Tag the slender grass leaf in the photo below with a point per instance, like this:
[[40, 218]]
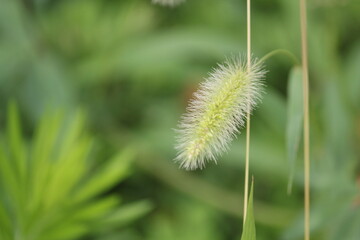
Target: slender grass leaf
[[127, 213], [8, 182], [66, 230], [42, 151], [115, 170], [71, 134], [249, 230], [96, 209], [15, 141], [294, 120], [67, 172]]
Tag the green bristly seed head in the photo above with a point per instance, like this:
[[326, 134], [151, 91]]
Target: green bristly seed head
[[217, 111]]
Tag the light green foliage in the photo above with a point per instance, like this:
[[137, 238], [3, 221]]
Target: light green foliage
[[48, 187], [249, 230]]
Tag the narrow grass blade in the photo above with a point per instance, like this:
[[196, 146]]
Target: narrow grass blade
[[295, 116], [249, 230], [15, 141], [41, 151], [96, 209], [116, 169], [127, 213]]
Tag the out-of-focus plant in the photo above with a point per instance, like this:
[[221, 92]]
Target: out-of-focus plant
[[170, 3], [50, 187]]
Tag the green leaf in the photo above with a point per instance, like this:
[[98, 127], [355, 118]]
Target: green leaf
[[71, 231], [294, 120], [42, 149], [249, 231], [96, 209], [128, 213], [60, 197], [15, 141], [67, 172], [8, 181], [116, 170]]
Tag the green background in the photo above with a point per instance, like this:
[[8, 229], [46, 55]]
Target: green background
[[128, 69]]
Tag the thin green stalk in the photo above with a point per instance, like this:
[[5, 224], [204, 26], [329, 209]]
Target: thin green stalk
[[280, 51], [247, 154]]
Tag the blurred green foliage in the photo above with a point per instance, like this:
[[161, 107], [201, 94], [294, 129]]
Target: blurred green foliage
[[132, 66], [51, 190]]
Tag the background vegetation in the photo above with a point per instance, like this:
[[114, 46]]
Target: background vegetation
[[131, 67]]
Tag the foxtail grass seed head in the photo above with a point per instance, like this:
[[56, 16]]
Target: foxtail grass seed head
[[217, 111], [170, 3]]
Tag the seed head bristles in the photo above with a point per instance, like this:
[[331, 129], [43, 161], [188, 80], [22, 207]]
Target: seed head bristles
[[170, 3], [217, 111]]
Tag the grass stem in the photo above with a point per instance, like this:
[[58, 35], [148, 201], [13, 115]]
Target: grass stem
[[280, 51], [247, 154]]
